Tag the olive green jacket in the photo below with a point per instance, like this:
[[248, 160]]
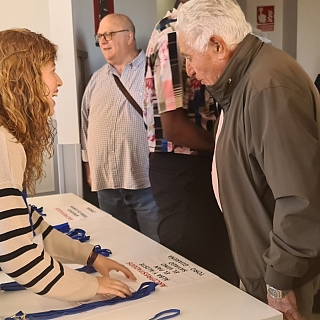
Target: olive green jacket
[[268, 166]]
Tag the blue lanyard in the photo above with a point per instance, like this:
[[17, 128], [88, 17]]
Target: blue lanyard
[[76, 234], [144, 290], [63, 227], [14, 286], [166, 314], [24, 196]]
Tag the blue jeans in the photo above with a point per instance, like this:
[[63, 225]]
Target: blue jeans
[[136, 208]]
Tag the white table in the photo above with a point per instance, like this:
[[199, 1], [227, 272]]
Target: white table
[[209, 299]]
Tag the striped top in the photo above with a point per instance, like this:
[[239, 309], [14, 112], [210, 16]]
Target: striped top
[[169, 88], [113, 137], [36, 268]]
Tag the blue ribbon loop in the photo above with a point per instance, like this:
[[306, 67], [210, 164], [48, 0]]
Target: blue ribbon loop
[[166, 314]]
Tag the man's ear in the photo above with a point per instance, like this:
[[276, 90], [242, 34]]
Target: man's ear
[[218, 46], [130, 37]]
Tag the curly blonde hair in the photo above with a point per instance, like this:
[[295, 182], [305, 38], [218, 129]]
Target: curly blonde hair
[[24, 108]]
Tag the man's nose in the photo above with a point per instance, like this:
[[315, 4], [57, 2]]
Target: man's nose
[[189, 69]]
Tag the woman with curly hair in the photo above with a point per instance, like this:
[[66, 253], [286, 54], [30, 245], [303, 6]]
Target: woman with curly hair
[[28, 83]]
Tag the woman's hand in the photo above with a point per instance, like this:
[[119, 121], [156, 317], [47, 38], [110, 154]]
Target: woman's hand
[[104, 265], [113, 286]]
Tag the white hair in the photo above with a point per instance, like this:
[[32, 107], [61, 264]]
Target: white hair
[[200, 19]]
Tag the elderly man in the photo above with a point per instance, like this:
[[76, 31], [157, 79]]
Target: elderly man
[[266, 171], [113, 140]]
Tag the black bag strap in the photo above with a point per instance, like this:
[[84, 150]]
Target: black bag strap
[[127, 95]]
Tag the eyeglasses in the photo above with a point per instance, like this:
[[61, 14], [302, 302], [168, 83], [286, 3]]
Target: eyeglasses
[[107, 35]]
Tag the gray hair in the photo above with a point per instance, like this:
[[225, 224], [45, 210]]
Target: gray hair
[[200, 19]]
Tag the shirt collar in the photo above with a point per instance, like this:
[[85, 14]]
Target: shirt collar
[[134, 64]]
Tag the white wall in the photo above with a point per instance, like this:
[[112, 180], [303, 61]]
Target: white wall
[[17, 14], [284, 35], [243, 5], [66, 111], [163, 6], [13, 15], [251, 15], [45, 16], [143, 14], [300, 31], [308, 43], [83, 21], [290, 25]]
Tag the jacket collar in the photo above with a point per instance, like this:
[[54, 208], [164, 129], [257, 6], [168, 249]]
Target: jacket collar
[[223, 89]]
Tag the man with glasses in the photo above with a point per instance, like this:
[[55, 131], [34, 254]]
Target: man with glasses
[[113, 139]]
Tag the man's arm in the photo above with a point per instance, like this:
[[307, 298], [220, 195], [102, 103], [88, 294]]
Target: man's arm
[[88, 175], [178, 129], [84, 132], [168, 88], [288, 135]]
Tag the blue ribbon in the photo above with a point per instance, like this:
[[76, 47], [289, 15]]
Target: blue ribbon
[[144, 290], [168, 314], [11, 286], [39, 210], [76, 234], [63, 227]]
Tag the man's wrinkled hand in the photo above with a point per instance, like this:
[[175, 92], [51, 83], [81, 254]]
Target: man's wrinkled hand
[[287, 305]]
